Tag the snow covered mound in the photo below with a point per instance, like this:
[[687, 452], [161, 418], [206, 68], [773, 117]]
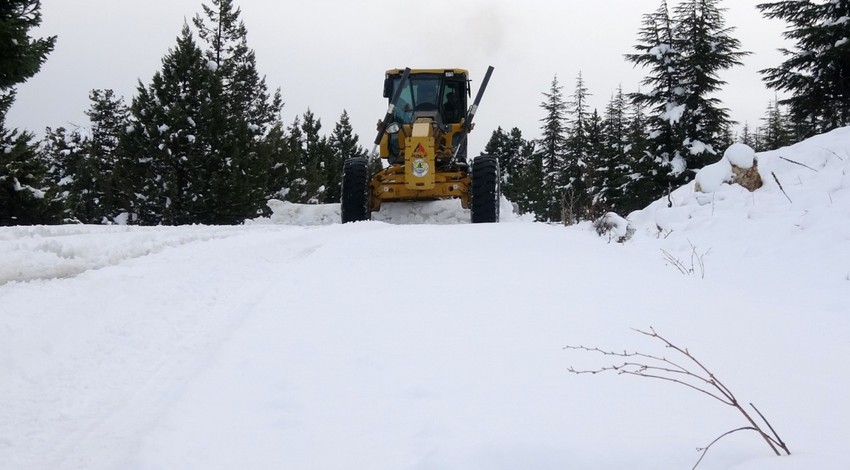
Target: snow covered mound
[[805, 200], [738, 165], [288, 213], [400, 213]]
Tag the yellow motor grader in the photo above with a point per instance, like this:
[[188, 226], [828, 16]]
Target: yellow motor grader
[[422, 139]]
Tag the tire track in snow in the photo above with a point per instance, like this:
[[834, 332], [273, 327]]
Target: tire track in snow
[[139, 335], [62, 252]]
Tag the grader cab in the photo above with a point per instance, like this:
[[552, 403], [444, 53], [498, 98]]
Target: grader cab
[[422, 139]]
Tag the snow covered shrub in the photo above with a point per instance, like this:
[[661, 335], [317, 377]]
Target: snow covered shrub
[[614, 227], [738, 165], [744, 166]]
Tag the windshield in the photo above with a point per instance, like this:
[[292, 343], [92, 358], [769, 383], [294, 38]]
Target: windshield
[[431, 92]]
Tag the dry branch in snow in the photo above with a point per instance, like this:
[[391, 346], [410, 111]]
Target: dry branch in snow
[[686, 371]]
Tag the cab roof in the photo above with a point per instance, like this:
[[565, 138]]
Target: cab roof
[[463, 72]]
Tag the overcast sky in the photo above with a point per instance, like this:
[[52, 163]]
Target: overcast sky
[[331, 55]]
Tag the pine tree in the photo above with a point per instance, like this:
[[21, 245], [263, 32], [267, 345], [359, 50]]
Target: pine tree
[[816, 70], [643, 170], [776, 131], [293, 185], [245, 93], [98, 193], [747, 138], [65, 150], [344, 144], [596, 170], [317, 157], [726, 138], [510, 149], [528, 191], [552, 151], [706, 47], [282, 162], [21, 56], [306, 180], [180, 177], [246, 112], [575, 181], [664, 100], [25, 194], [612, 159], [687, 126]]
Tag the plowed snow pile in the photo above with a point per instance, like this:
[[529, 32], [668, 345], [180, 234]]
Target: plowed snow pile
[[420, 341], [436, 212]]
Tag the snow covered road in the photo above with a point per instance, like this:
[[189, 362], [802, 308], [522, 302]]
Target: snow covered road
[[357, 346], [433, 346]]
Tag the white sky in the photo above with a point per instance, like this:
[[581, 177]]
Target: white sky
[[331, 55]]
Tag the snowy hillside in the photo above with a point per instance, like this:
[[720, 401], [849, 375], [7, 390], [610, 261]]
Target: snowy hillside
[[419, 341]]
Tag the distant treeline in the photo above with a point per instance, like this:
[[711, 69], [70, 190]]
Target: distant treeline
[[203, 141]]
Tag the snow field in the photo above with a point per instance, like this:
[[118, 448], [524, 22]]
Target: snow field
[[419, 341]]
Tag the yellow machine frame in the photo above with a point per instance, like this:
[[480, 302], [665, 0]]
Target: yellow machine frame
[[423, 145]]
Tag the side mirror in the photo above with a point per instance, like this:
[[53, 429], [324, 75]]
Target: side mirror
[[388, 87]]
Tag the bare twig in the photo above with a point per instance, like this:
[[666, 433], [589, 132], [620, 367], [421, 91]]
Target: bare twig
[[830, 151], [699, 259], [775, 178], [677, 263], [696, 261], [704, 450], [798, 163], [716, 383], [640, 369], [693, 374], [778, 439]]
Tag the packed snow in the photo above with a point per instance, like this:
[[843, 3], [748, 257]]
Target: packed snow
[[420, 341]]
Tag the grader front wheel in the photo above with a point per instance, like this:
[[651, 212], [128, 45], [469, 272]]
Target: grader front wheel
[[486, 189], [355, 190]]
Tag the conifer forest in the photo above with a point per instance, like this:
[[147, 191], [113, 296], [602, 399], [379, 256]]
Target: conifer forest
[[203, 141]]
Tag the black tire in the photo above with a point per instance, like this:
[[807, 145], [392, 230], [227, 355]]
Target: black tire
[[486, 190], [355, 190]]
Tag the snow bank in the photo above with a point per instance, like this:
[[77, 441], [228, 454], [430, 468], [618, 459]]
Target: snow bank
[[47, 252], [288, 213], [401, 213], [802, 208], [51, 252]]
